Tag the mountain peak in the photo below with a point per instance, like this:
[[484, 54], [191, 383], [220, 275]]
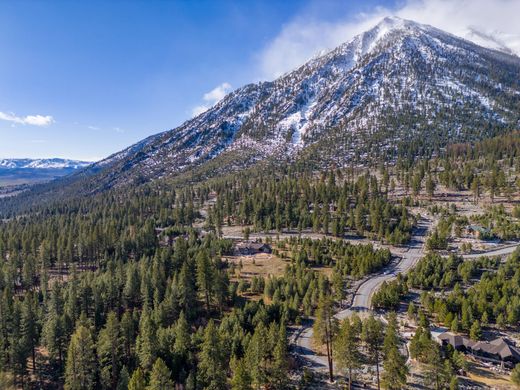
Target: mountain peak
[[367, 41], [399, 89], [393, 22]]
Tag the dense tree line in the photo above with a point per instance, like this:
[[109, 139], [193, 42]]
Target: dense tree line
[[494, 299], [490, 167], [146, 322], [331, 204], [348, 259]]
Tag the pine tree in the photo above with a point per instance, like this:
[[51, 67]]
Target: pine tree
[[146, 343], [279, 369], [475, 189], [132, 286], [186, 290], [395, 369], [430, 186], [373, 338], [80, 370], [18, 351], [241, 378], [138, 381], [346, 349], [324, 330], [257, 354], [29, 324], [182, 336], [221, 288], [475, 332], [212, 364], [109, 351], [454, 383], [205, 276], [338, 287], [124, 379], [54, 329], [160, 378], [434, 367], [412, 311], [127, 332]]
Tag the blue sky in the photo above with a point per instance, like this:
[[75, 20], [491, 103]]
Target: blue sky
[[86, 79]]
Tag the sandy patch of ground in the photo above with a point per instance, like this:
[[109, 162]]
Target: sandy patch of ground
[[481, 374], [261, 264], [265, 265]]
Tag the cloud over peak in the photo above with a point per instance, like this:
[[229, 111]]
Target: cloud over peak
[[212, 97], [306, 36]]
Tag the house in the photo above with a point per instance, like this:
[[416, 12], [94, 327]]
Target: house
[[478, 232], [167, 236], [460, 343], [500, 350], [251, 248]]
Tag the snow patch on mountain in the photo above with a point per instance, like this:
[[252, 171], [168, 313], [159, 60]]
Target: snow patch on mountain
[[398, 80]]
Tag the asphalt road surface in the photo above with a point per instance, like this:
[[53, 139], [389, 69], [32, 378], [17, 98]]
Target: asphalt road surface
[[504, 251], [361, 301]]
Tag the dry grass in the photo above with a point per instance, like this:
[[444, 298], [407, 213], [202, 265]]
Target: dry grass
[[327, 271], [6, 381], [265, 265], [483, 375], [261, 264]]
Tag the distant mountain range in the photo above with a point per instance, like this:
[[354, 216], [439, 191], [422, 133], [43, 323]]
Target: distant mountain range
[[28, 171], [42, 163], [399, 90]]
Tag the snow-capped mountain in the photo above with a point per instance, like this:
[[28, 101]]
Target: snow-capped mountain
[[398, 89], [25, 171], [45, 163]]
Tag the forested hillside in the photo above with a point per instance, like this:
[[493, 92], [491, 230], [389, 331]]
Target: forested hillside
[[236, 251]]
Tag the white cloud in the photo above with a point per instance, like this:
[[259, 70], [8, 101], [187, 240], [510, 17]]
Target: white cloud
[[34, 120], [217, 93], [92, 127], [306, 36], [197, 110], [212, 97]]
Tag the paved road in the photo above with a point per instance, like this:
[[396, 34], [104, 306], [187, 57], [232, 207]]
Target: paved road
[[361, 301], [504, 251], [409, 259]]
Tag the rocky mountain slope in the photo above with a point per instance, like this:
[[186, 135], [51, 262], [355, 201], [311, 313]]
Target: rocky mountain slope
[[399, 89]]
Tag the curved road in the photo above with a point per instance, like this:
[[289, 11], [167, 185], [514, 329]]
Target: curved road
[[503, 251], [415, 249], [361, 300], [363, 295]]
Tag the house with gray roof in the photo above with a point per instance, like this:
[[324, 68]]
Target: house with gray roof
[[248, 248], [499, 350]]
